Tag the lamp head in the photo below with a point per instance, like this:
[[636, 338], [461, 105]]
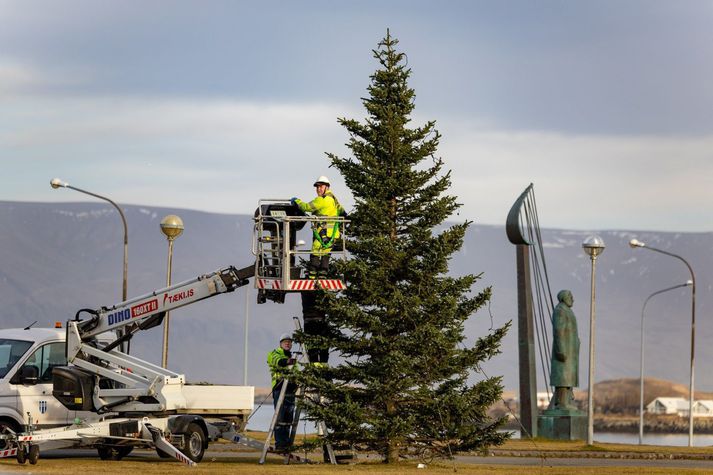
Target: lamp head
[[57, 183], [172, 226], [634, 243], [593, 245], [689, 282]]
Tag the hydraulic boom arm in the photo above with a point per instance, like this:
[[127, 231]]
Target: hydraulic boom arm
[[139, 310], [104, 379]]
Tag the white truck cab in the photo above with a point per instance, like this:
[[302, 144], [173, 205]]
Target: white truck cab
[[27, 357]]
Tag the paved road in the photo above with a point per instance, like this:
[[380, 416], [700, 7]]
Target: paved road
[[490, 460], [586, 462]]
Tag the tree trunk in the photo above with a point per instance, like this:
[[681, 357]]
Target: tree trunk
[[392, 452], [392, 445], [392, 217]]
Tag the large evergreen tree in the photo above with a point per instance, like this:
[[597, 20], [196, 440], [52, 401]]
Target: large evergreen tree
[[399, 327]]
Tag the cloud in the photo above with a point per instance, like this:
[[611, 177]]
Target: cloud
[[24, 79], [583, 181], [217, 155], [607, 67], [14, 77], [222, 156]]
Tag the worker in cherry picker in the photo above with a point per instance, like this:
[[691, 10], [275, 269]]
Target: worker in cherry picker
[[326, 232], [281, 361]]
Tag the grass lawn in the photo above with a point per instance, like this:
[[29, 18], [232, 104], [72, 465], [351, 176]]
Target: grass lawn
[[236, 459], [243, 465]]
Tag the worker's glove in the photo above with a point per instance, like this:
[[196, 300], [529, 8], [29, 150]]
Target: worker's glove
[[293, 200], [291, 361]]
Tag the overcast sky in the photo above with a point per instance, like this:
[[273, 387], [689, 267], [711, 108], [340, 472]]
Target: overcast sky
[[606, 106]]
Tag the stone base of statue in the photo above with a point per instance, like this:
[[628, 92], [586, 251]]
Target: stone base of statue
[[563, 424]]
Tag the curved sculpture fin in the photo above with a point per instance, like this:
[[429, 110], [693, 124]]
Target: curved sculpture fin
[[512, 223]]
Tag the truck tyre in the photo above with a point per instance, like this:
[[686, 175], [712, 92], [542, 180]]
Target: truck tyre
[[107, 452], [3, 424], [21, 455], [34, 454], [194, 441], [122, 451], [104, 452]]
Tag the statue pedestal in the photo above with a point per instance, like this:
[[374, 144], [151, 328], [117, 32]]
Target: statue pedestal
[[563, 424]]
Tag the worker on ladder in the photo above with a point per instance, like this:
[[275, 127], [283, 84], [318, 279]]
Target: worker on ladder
[[325, 233], [281, 362]]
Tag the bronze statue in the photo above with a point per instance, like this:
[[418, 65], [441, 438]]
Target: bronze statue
[[564, 370]]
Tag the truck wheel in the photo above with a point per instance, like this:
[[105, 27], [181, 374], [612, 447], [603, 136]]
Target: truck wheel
[[107, 452], [104, 452], [21, 455], [3, 424], [118, 453], [34, 454], [194, 442]]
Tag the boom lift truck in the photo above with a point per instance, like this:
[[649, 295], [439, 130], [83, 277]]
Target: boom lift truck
[[141, 403]]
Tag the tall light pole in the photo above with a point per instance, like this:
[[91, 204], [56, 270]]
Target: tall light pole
[[593, 246], [245, 342], [641, 359], [57, 183], [634, 243], [172, 227]]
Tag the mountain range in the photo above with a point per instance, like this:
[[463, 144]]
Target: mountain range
[[57, 258]]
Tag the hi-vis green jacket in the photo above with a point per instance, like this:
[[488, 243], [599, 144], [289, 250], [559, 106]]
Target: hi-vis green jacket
[[277, 361], [326, 205]]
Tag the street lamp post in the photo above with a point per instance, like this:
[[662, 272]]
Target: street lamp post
[[641, 359], [593, 246], [634, 243], [172, 227], [57, 183], [245, 342]]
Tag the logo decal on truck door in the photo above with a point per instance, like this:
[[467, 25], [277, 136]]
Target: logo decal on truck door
[[43, 407]]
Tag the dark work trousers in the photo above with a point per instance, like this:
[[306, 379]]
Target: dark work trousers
[[285, 416], [315, 323], [317, 327]]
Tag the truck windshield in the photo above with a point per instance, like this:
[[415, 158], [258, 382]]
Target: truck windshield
[[10, 353]]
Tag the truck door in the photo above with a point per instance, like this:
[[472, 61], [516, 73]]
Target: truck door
[[33, 382]]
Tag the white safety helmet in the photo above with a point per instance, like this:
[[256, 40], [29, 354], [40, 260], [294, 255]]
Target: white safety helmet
[[323, 180], [285, 336]]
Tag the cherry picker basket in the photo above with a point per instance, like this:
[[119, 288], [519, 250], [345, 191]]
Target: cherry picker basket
[[276, 249]]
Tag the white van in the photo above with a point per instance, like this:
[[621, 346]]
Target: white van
[[27, 357]]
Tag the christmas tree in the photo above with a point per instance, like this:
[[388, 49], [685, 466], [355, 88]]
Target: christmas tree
[[403, 383]]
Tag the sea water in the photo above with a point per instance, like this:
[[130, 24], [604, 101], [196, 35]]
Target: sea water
[[262, 416], [675, 440]]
